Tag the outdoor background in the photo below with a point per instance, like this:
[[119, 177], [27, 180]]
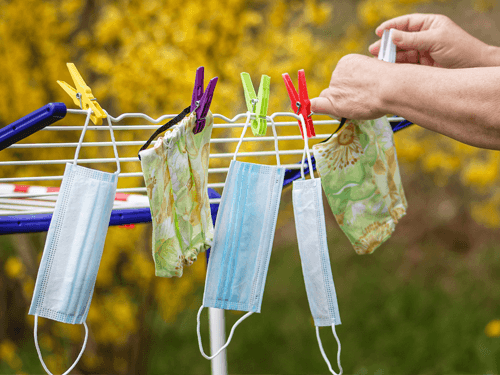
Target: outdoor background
[[426, 302]]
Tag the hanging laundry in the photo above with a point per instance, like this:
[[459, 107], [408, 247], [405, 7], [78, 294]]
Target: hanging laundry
[[243, 240], [74, 246], [360, 176], [176, 174], [313, 248]]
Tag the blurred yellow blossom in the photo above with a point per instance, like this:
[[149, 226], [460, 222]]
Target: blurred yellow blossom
[[8, 354], [28, 287], [7, 350], [493, 328], [482, 174], [484, 5], [91, 360], [46, 341], [14, 268]]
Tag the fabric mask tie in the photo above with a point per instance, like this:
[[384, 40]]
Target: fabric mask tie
[[311, 236], [88, 194], [244, 234]]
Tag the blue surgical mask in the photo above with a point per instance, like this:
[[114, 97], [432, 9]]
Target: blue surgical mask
[[313, 248], [74, 245], [243, 238]]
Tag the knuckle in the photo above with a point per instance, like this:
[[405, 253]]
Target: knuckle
[[349, 59], [325, 93], [442, 17]]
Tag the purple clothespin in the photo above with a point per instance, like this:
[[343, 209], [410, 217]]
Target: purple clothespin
[[201, 100]]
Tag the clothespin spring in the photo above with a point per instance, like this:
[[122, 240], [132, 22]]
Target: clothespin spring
[[298, 107], [79, 97], [254, 103]]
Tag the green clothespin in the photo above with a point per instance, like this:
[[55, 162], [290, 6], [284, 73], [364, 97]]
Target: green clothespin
[[257, 104]]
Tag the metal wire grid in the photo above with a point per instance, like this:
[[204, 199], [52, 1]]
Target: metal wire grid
[[225, 135]]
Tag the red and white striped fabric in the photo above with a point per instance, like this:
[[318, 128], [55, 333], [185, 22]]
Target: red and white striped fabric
[[20, 199]]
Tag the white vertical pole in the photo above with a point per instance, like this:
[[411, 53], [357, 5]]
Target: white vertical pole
[[217, 339]]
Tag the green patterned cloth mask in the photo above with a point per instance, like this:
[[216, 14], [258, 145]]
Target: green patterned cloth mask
[[360, 176], [176, 173]]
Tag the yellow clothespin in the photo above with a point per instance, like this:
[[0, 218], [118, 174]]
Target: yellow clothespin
[[82, 95]]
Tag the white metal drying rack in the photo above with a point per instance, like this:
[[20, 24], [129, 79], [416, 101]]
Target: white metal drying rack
[[17, 199]]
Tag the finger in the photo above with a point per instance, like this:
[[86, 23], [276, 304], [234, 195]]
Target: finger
[[322, 105], [407, 57], [375, 48], [421, 41], [426, 59], [409, 22]]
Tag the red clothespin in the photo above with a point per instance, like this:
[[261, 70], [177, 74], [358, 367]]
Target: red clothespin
[[300, 101], [200, 103]]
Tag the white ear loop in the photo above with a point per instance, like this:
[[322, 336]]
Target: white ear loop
[[89, 112], [228, 340], [35, 330], [249, 114], [114, 144], [323, 352], [275, 141], [306, 151]]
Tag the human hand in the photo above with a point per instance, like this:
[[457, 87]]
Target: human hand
[[356, 89], [435, 40]]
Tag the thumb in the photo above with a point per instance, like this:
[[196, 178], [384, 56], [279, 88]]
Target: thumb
[[419, 40], [322, 105]]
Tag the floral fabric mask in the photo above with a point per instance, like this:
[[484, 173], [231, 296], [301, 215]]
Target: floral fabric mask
[[360, 176], [176, 174]]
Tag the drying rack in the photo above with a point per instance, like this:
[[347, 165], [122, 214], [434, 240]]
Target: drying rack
[[27, 202]]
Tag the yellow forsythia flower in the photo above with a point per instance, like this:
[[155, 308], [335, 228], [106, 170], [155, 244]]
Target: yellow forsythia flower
[[14, 268], [493, 328], [7, 350]]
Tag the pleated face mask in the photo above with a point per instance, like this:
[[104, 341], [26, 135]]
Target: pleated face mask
[[313, 248], [74, 245], [360, 176], [243, 240], [176, 176]]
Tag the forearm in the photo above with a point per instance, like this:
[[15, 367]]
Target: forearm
[[463, 104], [490, 56]]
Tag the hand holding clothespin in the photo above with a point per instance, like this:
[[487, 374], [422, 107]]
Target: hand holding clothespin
[[201, 100], [257, 104], [82, 95], [300, 101], [386, 53]]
